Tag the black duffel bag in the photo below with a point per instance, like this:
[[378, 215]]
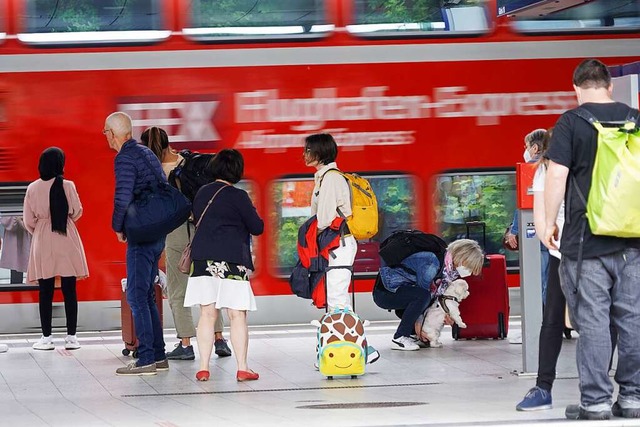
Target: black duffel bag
[[402, 243], [155, 211]]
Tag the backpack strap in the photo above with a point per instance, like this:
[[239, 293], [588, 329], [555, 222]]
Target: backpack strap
[[340, 214]]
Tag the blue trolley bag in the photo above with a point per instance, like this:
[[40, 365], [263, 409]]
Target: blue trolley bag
[[486, 309]]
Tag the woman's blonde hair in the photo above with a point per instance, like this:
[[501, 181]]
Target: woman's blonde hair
[[467, 252]]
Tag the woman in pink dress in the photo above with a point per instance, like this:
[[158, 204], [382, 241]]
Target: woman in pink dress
[[51, 207]]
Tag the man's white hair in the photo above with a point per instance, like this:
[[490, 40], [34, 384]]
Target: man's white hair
[[120, 124]]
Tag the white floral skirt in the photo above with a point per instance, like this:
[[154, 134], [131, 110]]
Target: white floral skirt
[[224, 284]]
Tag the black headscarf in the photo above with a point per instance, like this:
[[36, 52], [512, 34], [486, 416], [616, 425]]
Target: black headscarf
[[51, 166]]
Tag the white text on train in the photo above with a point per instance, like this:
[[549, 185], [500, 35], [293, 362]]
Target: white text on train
[[266, 106]]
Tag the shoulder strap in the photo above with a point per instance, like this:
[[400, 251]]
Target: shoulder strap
[[153, 170], [585, 114], [209, 204]]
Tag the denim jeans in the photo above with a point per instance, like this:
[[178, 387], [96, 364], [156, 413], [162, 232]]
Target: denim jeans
[[412, 299], [608, 291], [424, 264], [142, 268]]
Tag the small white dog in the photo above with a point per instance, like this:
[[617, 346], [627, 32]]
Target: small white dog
[[445, 304]]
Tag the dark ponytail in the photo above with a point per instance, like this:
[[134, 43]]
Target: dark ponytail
[[51, 166], [156, 139]]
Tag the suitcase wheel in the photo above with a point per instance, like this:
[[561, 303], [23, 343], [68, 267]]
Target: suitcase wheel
[[354, 377], [125, 352], [455, 332], [502, 334], [135, 354], [329, 377]]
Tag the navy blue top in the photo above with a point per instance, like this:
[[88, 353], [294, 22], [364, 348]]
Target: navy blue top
[[132, 175], [224, 233]]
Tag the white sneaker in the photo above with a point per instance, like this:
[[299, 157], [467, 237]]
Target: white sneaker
[[45, 343], [71, 342], [404, 343], [4, 348]]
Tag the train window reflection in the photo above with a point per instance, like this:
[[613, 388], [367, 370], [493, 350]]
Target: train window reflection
[[597, 15], [419, 17], [486, 196], [292, 200], [249, 19], [91, 21], [15, 240]]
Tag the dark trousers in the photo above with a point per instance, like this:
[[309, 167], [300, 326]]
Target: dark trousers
[[412, 299], [47, 287], [552, 328], [142, 268]]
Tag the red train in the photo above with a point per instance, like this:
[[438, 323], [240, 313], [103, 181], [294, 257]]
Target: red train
[[430, 100]]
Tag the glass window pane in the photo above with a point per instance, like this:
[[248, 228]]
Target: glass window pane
[[233, 19], [292, 198], [252, 190], [597, 15], [91, 21], [488, 197], [419, 17], [16, 241]]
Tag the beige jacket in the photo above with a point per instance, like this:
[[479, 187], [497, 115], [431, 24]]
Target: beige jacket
[[334, 193]]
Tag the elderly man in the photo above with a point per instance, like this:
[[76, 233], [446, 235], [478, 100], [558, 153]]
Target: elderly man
[[132, 170]]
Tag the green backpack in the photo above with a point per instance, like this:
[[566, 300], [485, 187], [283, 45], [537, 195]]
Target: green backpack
[[613, 205]]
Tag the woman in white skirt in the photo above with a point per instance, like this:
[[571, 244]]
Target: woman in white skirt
[[221, 260]]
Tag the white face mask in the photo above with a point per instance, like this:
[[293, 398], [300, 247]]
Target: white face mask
[[463, 271], [526, 155]]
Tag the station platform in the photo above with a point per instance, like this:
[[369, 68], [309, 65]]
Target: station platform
[[465, 383]]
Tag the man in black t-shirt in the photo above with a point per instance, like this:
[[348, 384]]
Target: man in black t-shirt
[[606, 287]]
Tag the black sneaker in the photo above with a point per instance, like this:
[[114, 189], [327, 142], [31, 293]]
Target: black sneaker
[[181, 353], [620, 412], [222, 349], [576, 412]]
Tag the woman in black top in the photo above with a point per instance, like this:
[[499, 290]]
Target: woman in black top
[[222, 260]]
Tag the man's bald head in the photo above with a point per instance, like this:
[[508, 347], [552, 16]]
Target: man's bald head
[[120, 124], [118, 129]]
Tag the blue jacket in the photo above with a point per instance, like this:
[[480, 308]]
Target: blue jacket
[[132, 176], [419, 270]]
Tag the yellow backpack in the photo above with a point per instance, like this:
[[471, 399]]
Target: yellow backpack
[[363, 222]]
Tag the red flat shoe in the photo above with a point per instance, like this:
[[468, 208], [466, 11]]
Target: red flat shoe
[[246, 376], [202, 375]]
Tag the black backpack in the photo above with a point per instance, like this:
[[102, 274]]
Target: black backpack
[[402, 243], [192, 173]]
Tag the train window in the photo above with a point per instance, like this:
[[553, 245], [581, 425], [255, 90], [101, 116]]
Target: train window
[[597, 15], [249, 19], [419, 17], [91, 21], [252, 190], [481, 196], [292, 200], [16, 241]]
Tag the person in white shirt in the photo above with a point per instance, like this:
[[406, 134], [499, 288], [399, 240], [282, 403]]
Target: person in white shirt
[[330, 194]]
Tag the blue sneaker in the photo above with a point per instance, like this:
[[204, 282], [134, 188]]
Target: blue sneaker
[[536, 399]]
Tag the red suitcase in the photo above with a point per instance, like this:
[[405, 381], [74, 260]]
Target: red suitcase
[[128, 329], [486, 309]]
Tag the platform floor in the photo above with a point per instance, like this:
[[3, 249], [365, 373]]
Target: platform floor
[[463, 384]]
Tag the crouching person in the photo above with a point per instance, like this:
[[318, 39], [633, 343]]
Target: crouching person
[[409, 288]]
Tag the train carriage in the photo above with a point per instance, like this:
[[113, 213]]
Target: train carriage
[[430, 100]]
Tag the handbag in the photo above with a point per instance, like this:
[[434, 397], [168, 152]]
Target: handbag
[[155, 211], [184, 265]]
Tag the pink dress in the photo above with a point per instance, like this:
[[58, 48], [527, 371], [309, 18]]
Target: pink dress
[[53, 254]]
